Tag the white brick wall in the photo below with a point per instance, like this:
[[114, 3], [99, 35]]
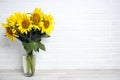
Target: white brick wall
[[86, 35]]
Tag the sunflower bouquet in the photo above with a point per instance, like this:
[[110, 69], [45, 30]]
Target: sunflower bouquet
[[29, 28]]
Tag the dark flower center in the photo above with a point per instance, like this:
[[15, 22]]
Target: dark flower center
[[25, 24], [36, 19], [9, 31], [46, 24]]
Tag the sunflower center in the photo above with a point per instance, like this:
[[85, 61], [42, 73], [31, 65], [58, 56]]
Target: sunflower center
[[9, 31], [36, 19], [25, 24], [46, 24]]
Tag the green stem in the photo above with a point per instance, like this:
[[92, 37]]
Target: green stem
[[30, 64]]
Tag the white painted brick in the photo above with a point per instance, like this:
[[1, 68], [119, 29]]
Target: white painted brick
[[86, 35]]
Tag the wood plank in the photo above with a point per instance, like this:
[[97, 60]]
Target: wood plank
[[62, 75]]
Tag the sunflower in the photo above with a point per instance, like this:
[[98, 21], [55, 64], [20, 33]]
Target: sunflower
[[24, 24], [12, 20], [10, 33], [37, 17], [47, 24]]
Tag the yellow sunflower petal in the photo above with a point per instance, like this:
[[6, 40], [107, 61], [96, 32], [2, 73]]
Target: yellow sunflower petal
[[4, 25], [47, 26], [37, 17], [24, 24], [10, 33], [12, 20]]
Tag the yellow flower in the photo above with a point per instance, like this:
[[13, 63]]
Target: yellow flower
[[47, 25], [10, 33], [24, 24], [12, 20], [37, 17]]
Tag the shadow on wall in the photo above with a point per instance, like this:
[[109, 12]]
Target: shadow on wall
[[4, 42], [10, 53]]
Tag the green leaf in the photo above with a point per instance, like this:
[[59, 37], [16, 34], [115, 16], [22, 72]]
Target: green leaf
[[38, 45], [41, 46], [45, 36], [27, 46], [33, 45]]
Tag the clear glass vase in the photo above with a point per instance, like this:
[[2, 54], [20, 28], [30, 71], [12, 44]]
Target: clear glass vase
[[29, 65]]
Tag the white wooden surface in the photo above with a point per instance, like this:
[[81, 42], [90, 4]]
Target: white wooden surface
[[62, 75], [86, 35]]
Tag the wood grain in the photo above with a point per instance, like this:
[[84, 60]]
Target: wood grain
[[62, 75]]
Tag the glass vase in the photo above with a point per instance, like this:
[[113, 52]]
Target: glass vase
[[29, 65]]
